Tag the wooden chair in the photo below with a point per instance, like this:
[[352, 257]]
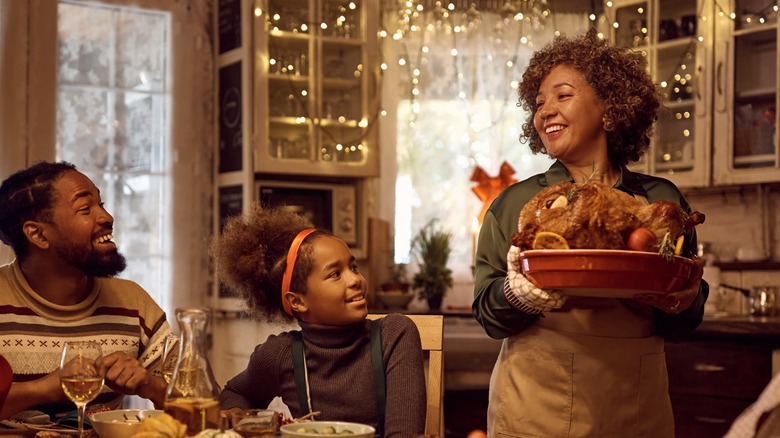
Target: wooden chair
[[431, 328]]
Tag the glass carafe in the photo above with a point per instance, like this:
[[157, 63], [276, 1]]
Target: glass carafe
[[192, 393]]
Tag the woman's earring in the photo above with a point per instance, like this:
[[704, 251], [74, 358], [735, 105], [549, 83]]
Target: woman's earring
[[607, 123]]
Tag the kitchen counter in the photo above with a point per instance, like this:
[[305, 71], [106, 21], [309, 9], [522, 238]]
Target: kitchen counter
[[739, 327]]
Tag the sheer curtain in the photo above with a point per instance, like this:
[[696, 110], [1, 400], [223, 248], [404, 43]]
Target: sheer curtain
[[455, 83]]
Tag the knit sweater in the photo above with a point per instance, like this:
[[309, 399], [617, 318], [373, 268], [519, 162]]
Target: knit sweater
[[117, 313], [338, 361]]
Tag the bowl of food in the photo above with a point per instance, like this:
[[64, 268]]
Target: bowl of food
[[121, 423], [318, 428]]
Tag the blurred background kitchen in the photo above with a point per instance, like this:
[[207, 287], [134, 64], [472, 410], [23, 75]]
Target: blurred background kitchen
[[376, 117]]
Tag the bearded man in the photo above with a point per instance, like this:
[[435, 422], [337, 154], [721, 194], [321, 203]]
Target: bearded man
[[61, 287]]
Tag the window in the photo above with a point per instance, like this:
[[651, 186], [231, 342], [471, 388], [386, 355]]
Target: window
[[457, 110], [113, 101], [124, 89]]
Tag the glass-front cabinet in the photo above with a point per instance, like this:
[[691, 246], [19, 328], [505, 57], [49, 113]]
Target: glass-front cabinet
[[676, 38], [316, 97], [746, 98]]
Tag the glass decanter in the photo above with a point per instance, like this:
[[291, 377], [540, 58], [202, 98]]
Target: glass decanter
[[192, 395]]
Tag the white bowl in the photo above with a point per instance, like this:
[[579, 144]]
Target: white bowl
[[395, 300], [121, 423], [319, 428]]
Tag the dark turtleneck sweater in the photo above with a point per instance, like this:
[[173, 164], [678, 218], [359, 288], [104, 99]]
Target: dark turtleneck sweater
[[338, 361]]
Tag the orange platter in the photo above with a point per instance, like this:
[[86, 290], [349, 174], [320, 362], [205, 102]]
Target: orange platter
[[605, 273]]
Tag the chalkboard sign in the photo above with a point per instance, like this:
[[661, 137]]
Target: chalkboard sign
[[229, 25], [230, 123], [230, 204]]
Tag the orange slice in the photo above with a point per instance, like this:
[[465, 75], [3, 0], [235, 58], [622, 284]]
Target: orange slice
[[679, 246], [549, 240]]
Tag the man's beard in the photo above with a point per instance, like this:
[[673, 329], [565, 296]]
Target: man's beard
[[93, 263]]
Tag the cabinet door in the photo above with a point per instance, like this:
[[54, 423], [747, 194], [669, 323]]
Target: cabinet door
[[675, 36], [680, 63], [315, 87], [746, 144], [631, 26]]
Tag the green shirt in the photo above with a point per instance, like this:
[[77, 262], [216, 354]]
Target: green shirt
[[499, 318]]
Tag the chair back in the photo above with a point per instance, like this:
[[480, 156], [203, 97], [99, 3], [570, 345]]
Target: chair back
[[431, 329]]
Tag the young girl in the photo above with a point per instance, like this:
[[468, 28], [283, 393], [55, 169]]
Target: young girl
[[284, 269]]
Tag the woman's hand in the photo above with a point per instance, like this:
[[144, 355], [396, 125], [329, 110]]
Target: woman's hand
[[678, 301], [521, 293]]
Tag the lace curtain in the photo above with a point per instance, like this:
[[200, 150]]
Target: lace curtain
[[460, 113]]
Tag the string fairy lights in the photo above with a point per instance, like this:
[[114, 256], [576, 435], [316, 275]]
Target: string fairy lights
[[426, 28], [343, 124]]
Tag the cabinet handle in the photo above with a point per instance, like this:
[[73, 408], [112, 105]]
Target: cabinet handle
[[718, 77], [710, 420], [708, 368]]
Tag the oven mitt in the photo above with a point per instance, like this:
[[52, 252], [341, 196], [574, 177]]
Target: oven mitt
[[522, 294]]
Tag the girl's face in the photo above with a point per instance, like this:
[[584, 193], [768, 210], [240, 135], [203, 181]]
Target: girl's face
[[569, 117], [336, 291]]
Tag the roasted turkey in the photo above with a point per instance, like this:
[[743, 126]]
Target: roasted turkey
[[596, 216]]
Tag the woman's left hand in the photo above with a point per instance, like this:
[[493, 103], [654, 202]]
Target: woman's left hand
[[678, 301]]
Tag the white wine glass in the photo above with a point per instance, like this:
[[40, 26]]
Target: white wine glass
[[170, 356], [80, 376]]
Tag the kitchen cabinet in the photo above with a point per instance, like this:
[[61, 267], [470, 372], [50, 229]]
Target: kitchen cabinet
[[711, 383], [676, 38], [316, 87], [719, 370], [746, 98]]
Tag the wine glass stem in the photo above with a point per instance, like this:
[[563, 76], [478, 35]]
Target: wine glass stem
[[80, 407]]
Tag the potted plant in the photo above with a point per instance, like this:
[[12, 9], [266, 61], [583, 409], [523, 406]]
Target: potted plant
[[394, 292], [431, 247], [398, 281]]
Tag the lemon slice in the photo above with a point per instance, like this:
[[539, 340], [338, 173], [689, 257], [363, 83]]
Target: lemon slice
[[559, 202], [549, 240]]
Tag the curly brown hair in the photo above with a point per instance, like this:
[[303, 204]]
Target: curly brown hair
[[620, 80], [250, 257]]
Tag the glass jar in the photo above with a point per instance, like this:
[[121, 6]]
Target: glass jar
[[192, 395]]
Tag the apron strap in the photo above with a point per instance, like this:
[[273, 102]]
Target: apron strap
[[378, 367], [299, 369]]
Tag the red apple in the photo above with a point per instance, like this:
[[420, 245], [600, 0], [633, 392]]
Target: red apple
[[642, 239]]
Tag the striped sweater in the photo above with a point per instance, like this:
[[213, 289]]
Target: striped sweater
[[118, 314]]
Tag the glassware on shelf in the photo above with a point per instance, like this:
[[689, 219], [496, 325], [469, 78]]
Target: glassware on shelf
[[192, 395]]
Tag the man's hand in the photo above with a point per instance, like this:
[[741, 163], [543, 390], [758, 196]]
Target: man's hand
[[125, 375], [24, 395]]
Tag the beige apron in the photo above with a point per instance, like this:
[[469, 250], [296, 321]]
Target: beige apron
[[591, 369]]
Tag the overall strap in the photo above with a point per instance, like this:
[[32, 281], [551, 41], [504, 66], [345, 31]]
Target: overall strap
[[378, 367], [299, 369]]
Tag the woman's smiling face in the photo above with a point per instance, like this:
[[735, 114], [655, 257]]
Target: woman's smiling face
[[569, 116], [335, 289]]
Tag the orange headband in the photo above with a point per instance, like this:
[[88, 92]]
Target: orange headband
[[292, 255]]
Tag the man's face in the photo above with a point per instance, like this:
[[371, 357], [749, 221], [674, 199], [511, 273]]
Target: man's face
[[82, 228]]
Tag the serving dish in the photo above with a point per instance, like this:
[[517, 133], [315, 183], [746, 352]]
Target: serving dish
[[605, 273], [323, 428], [121, 423]]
